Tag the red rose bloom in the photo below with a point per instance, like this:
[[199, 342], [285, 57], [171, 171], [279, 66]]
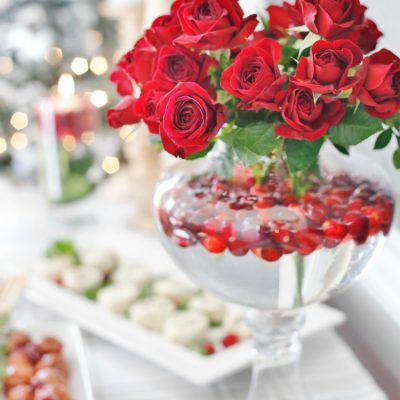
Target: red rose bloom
[[366, 38], [379, 85], [327, 68], [306, 118], [146, 105], [283, 17], [139, 62], [122, 81], [213, 24], [254, 76], [164, 30], [123, 113], [177, 64], [332, 19], [190, 118]]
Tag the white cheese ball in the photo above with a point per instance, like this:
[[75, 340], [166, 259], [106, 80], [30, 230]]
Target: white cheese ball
[[175, 289], [117, 298], [52, 268], [104, 260], [139, 275], [234, 322], [209, 305], [82, 278], [151, 313], [187, 327]]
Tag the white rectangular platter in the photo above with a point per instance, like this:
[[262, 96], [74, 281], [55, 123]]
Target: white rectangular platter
[[69, 335], [184, 362]]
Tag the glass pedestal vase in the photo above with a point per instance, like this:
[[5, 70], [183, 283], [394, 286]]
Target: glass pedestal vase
[[275, 245]]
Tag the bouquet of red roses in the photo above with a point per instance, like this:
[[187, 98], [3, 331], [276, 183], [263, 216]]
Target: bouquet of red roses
[[304, 76]]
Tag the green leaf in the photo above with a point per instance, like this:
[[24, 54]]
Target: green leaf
[[383, 139], [63, 247], [308, 41], [354, 128], [396, 158], [302, 154], [252, 142], [202, 153], [342, 149], [223, 97]]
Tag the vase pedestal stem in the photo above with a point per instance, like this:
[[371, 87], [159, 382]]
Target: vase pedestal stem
[[277, 349]]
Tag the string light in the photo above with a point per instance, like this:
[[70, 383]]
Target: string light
[[69, 143], [54, 55], [6, 65], [110, 165], [19, 120], [79, 65], [3, 145], [99, 98], [87, 137], [98, 65], [19, 140], [127, 133], [95, 38]]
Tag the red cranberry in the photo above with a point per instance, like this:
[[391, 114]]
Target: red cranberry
[[355, 205], [165, 223], [334, 230], [230, 340], [265, 202], [208, 348], [271, 253], [308, 239], [238, 248], [357, 225], [183, 237], [214, 244], [374, 219]]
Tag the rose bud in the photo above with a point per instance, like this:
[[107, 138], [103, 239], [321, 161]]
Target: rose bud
[[327, 68], [214, 24], [379, 85], [190, 118], [332, 19], [306, 118], [123, 113], [254, 76]]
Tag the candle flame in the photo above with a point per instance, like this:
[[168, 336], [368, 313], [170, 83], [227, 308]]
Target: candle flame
[[66, 85]]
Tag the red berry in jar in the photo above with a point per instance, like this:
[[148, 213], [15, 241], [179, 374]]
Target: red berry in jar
[[238, 248], [183, 237], [271, 253], [230, 340], [308, 240], [334, 230], [357, 225], [374, 219], [355, 204], [214, 244]]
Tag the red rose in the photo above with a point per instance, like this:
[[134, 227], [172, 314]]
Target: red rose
[[123, 113], [164, 30], [366, 38], [190, 118], [122, 81], [306, 118], [332, 19], [139, 62], [254, 76], [379, 85], [177, 64], [327, 68], [146, 105], [283, 17], [213, 24]]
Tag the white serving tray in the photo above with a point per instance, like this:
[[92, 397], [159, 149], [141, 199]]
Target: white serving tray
[[194, 367], [69, 335]]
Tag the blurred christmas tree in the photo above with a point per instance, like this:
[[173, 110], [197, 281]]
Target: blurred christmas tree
[[40, 39]]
